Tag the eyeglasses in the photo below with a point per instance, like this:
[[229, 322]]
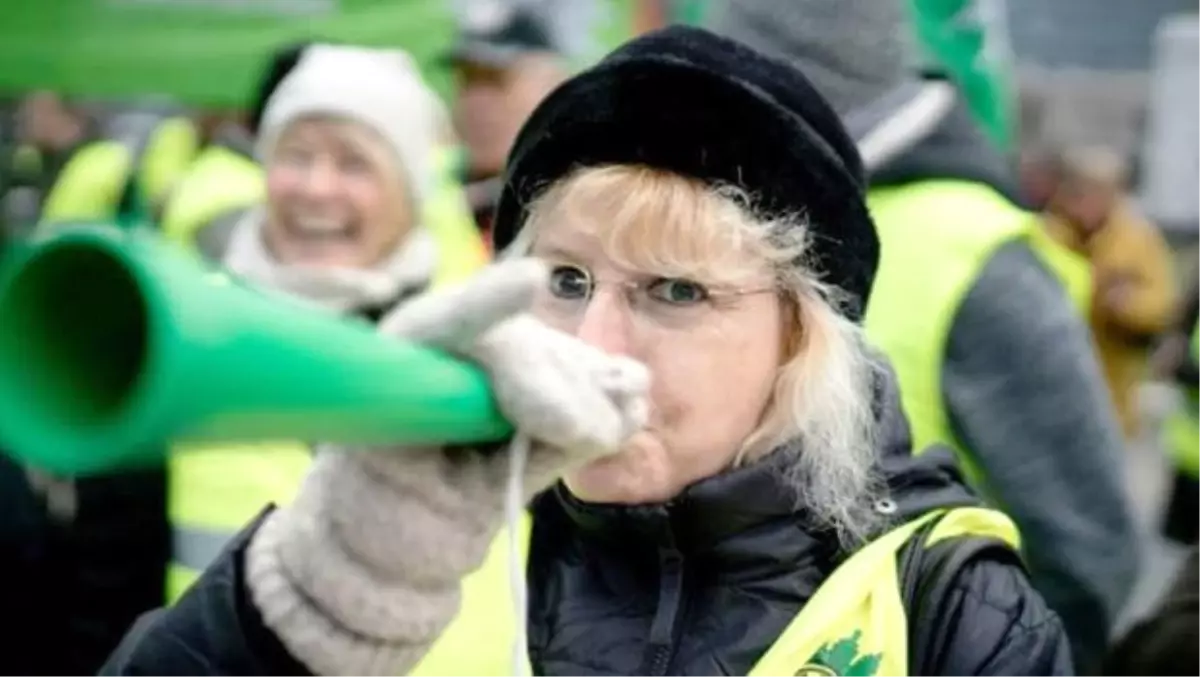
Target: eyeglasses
[[667, 301]]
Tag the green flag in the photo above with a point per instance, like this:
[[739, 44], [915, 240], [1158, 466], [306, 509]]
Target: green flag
[[966, 39]]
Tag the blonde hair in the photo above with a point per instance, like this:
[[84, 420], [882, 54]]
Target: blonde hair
[[821, 412]]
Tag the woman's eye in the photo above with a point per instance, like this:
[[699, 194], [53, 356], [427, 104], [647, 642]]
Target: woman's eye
[[569, 282], [293, 156], [355, 164], [677, 292]]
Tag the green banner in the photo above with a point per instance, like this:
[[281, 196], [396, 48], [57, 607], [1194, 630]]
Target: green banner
[[967, 39], [199, 52]]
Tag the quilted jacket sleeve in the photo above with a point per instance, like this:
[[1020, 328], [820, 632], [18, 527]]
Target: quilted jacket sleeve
[[991, 621]]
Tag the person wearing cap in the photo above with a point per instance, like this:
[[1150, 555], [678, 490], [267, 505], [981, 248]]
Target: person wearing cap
[[348, 140], [993, 359], [716, 473], [505, 62]]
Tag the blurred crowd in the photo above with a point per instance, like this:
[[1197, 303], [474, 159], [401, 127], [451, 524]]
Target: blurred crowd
[[1023, 299]]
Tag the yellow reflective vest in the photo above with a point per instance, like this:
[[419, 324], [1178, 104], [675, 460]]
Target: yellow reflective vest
[[936, 237], [221, 181], [855, 623], [94, 180], [214, 492], [1072, 269], [1182, 428]]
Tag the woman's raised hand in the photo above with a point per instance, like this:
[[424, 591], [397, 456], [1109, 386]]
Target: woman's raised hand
[[360, 574], [563, 393]]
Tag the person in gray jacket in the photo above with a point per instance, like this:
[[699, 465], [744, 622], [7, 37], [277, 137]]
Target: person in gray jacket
[[1019, 381]]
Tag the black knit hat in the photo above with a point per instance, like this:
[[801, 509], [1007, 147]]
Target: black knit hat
[[690, 102]]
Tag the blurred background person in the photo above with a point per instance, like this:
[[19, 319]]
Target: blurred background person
[[348, 139], [1177, 361], [1133, 293], [226, 181], [47, 132], [505, 62], [120, 166], [1039, 173]]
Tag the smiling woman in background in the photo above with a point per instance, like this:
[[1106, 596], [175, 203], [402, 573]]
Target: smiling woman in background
[[350, 141]]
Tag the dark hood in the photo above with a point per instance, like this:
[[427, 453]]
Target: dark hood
[[956, 148], [916, 483]]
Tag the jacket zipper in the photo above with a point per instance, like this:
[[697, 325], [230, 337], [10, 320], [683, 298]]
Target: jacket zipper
[[670, 601]]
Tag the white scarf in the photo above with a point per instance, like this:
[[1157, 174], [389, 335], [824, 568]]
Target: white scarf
[[341, 290]]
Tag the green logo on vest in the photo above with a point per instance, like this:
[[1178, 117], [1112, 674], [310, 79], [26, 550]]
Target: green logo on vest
[[841, 658]]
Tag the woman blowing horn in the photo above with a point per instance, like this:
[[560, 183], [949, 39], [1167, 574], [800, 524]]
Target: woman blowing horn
[[719, 477]]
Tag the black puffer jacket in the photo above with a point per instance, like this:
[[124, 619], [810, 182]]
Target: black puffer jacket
[[80, 560], [703, 585]]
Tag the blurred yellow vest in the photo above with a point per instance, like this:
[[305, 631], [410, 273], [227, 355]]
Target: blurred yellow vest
[[94, 180], [936, 237], [1182, 428]]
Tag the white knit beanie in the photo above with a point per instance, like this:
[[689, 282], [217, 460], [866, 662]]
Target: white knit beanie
[[381, 89]]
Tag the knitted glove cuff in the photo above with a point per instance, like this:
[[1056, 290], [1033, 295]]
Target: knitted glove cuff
[[312, 635], [360, 577]]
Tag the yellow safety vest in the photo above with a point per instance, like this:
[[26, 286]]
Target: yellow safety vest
[[92, 183], [213, 493], [448, 218], [1182, 428], [221, 181], [935, 239], [855, 624], [1072, 269]]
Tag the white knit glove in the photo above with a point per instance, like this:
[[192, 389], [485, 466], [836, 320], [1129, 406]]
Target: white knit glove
[[361, 573], [575, 401]]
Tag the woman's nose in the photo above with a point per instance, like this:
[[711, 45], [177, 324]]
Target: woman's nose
[[322, 180], [605, 323]]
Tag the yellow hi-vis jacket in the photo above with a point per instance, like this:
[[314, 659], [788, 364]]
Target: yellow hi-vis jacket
[[855, 623], [936, 237], [91, 185]]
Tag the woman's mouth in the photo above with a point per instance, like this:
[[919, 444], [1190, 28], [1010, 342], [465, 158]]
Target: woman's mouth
[[317, 229]]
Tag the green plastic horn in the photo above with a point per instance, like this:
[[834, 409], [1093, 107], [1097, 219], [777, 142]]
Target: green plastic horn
[[113, 342]]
